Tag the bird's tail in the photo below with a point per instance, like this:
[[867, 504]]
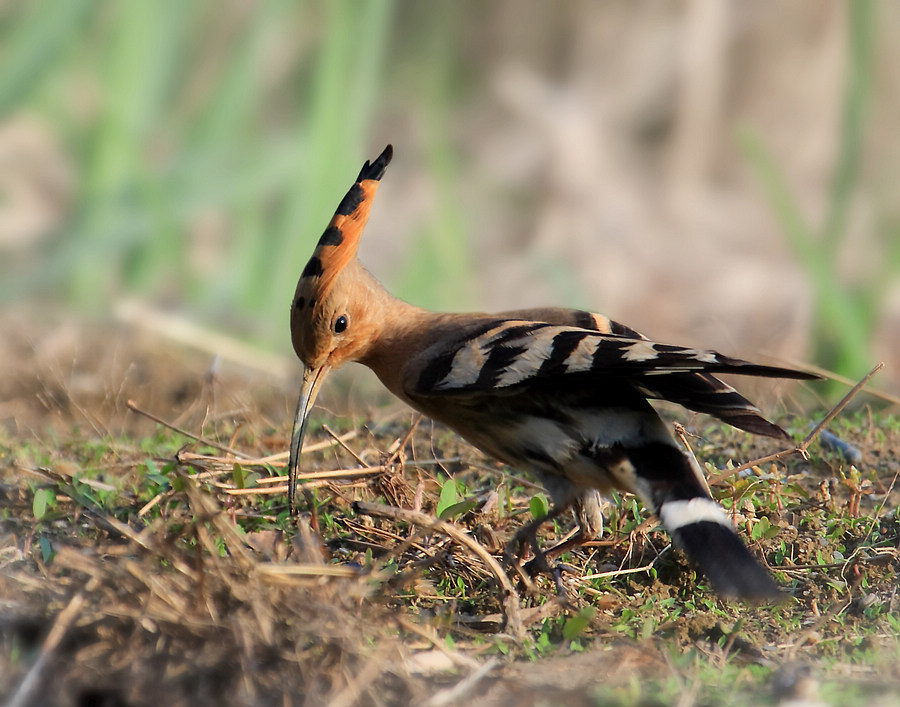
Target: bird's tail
[[703, 392], [670, 483]]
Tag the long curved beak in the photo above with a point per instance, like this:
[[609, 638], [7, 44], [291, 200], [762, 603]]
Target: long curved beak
[[312, 380]]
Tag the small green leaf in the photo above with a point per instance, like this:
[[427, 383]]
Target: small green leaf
[[540, 506], [42, 499], [449, 497], [764, 529], [543, 642], [157, 479], [457, 509], [46, 549], [576, 624], [760, 528], [238, 476]]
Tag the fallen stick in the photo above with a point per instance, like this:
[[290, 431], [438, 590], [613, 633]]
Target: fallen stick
[[511, 600], [61, 624], [804, 445]]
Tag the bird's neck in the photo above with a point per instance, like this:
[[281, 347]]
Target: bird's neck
[[395, 330]]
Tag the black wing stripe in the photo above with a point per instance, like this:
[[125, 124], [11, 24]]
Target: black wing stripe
[[438, 369], [585, 320], [500, 359], [607, 355], [495, 354], [621, 330], [513, 331], [440, 365], [532, 347], [703, 392], [564, 343]]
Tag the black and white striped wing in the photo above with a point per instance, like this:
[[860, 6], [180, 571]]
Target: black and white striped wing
[[579, 347], [511, 354]]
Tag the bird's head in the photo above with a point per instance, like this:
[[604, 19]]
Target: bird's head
[[328, 315]]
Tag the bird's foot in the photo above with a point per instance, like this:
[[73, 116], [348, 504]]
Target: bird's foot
[[526, 537]]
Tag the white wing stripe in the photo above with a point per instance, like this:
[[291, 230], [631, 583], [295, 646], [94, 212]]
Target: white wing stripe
[[469, 360], [527, 364], [640, 351], [582, 357]]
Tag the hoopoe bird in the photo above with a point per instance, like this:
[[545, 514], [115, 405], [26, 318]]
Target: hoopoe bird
[[560, 393]]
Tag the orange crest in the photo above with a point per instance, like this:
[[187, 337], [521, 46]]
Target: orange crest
[[339, 243]]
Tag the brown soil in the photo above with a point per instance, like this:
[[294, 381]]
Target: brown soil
[[207, 597]]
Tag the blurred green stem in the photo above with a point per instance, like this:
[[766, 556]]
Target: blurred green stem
[[844, 317]]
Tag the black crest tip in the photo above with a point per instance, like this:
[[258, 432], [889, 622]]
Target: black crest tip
[[375, 170]]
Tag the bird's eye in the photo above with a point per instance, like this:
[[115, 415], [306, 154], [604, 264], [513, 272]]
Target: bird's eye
[[340, 324]]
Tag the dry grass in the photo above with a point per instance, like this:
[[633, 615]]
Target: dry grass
[[148, 567]]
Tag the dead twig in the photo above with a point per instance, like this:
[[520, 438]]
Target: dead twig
[[64, 620], [337, 438], [460, 690], [682, 435], [830, 375], [840, 406], [395, 453], [277, 484], [269, 460], [511, 599], [180, 430], [804, 445], [620, 572], [282, 571]]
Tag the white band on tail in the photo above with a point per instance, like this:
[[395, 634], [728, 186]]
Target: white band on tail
[[677, 514]]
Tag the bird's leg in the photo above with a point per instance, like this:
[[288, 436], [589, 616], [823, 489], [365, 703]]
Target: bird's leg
[[577, 540], [588, 509], [541, 561], [528, 534]]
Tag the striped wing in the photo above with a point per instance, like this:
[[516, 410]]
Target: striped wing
[[508, 355], [514, 353]]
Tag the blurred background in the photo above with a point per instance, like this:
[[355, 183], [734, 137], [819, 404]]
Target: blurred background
[[713, 173]]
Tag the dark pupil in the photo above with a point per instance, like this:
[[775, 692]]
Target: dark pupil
[[340, 324]]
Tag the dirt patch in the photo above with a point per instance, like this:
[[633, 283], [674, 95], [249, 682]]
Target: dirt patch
[[139, 566]]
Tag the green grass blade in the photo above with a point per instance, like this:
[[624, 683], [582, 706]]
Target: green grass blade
[[856, 100], [32, 43]]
